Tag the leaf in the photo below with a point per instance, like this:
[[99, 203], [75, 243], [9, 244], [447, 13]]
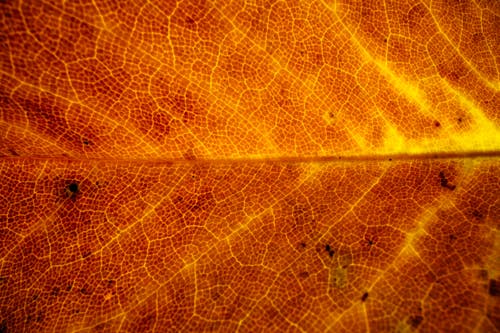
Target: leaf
[[238, 166]]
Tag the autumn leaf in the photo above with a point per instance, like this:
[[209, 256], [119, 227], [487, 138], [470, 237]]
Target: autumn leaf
[[246, 166]]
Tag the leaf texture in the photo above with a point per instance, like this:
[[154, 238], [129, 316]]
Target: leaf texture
[[288, 166]]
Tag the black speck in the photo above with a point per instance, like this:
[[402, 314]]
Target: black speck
[[302, 245], [69, 287], [86, 254], [494, 288], [3, 327], [84, 291], [111, 283], [437, 123], [459, 120], [73, 187], [86, 142], [364, 297], [390, 159], [414, 321], [370, 242], [444, 181], [329, 250], [385, 40], [452, 237]]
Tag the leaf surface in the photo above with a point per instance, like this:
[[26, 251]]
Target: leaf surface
[[249, 166]]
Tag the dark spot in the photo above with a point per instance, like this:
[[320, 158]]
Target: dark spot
[[414, 321], [477, 214], [84, 291], [69, 286], [390, 159], [444, 181], [302, 245], [385, 40], [370, 242], [111, 283], [35, 297], [364, 297], [459, 120], [331, 114], [304, 275], [3, 279], [437, 123], [86, 142], [189, 20], [86, 254], [39, 317], [13, 152], [77, 310], [3, 327], [73, 187], [329, 250], [452, 237], [494, 288], [55, 291]]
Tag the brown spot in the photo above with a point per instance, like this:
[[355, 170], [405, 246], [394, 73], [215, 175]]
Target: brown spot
[[477, 214], [3, 327], [55, 291], [415, 321], [304, 275], [494, 288], [302, 245], [437, 123], [364, 297], [13, 152]]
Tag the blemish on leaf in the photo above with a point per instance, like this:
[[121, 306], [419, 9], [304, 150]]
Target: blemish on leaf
[[302, 245], [55, 291], [444, 181], [338, 277], [437, 124], [477, 214], [3, 327], [415, 321], [364, 297], [304, 275], [86, 142], [330, 251], [13, 152], [494, 288]]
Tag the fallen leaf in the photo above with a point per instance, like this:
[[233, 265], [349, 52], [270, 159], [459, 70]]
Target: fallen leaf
[[249, 166]]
